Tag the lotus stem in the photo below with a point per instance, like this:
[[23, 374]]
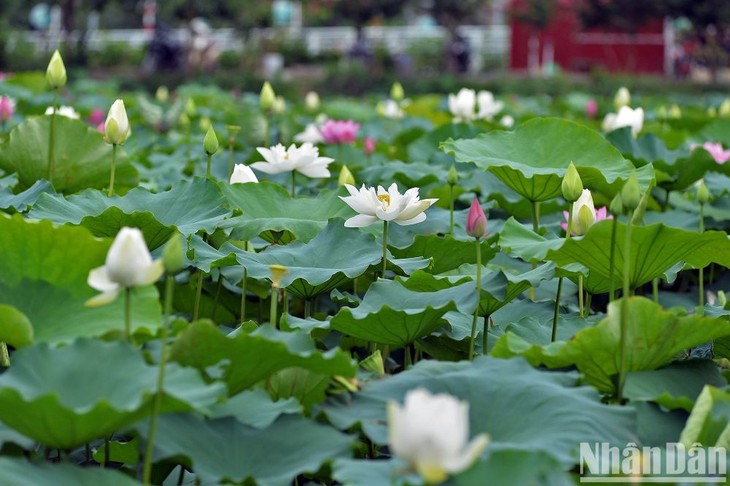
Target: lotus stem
[[536, 230], [207, 170], [624, 313], [580, 295], [655, 290], [476, 309], [243, 295], [407, 359], [307, 308], [219, 285], [230, 157], [589, 296], [293, 183], [198, 295], [156, 404], [4, 355], [111, 176], [128, 315], [612, 261], [272, 309], [385, 247], [52, 140], [485, 335], [451, 209], [702, 269]]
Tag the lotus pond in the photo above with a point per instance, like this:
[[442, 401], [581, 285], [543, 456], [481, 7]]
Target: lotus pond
[[457, 289]]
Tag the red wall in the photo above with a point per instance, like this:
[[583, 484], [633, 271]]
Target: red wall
[[578, 49]]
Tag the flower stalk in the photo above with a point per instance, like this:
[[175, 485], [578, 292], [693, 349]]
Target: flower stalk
[[476, 309], [52, 140], [4, 355], [385, 248], [110, 193]]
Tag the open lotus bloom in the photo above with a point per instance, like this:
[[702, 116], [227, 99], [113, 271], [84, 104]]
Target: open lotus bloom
[[304, 159], [66, 111], [431, 433], [311, 134], [390, 109], [463, 105], [488, 106], [403, 209], [626, 117], [585, 214], [242, 174], [128, 264], [339, 131], [718, 153]]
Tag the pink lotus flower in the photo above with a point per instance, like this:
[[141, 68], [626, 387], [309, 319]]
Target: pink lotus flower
[[476, 220], [97, 116], [7, 108], [369, 145], [339, 131], [591, 108], [715, 149]]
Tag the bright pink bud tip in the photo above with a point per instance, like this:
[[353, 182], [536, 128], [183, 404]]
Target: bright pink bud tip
[[369, 146], [7, 108], [476, 220], [97, 116], [591, 108]]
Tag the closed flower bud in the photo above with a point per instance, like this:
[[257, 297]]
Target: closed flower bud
[[173, 258], [267, 97], [675, 111], [396, 91], [724, 110], [210, 142], [622, 98], [311, 101], [190, 108], [56, 71], [162, 94], [721, 298], [452, 178], [631, 193], [345, 177], [476, 220], [617, 206], [703, 194], [572, 184], [116, 126]]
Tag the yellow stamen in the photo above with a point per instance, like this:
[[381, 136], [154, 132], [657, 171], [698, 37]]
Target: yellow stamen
[[384, 198]]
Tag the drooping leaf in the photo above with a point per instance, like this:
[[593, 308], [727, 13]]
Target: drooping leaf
[[533, 158], [245, 359], [709, 421], [44, 271], [21, 472], [274, 455], [83, 160], [189, 207], [64, 397], [24, 200]]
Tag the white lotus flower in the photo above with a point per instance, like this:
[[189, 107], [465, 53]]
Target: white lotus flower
[[390, 109], [463, 104], [242, 174], [66, 111], [626, 117], [116, 126], [128, 264], [431, 433], [584, 213], [403, 209], [507, 121], [304, 159], [311, 134], [488, 106]]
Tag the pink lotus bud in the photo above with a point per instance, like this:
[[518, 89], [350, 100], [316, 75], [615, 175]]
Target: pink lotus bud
[[7, 108], [97, 116], [476, 220], [591, 108], [369, 145], [339, 131]]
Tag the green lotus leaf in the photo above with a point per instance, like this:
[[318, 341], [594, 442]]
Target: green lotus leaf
[[274, 455], [521, 408], [83, 159], [44, 271], [446, 253], [516, 467], [255, 408], [269, 207], [717, 130], [21, 472], [709, 421], [654, 337], [414, 174], [533, 158], [245, 359], [189, 207], [64, 397], [655, 249], [24, 200], [675, 386], [392, 314]]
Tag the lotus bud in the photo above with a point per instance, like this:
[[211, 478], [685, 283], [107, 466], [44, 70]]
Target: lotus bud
[[267, 97], [173, 258], [452, 178], [190, 108], [56, 71], [278, 272], [162, 94], [345, 177], [703, 193], [631, 193], [7, 108], [185, 121], [617, 206], [572, 185], [476, 220], [210, 142], [724, 110], [368, 145], [116, 127], [204, 124], [661, 112], [721, 298], [396, 91], [279, 105], [622, 98], [675, 111], [311, 101]]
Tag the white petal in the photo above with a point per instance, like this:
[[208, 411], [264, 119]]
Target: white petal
[[102, 299], [360, 221], [462, 461], [268, 168], [149, 275], [99, 280], [415, 220]]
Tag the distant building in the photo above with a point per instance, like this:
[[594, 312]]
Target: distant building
[[564, 43]]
